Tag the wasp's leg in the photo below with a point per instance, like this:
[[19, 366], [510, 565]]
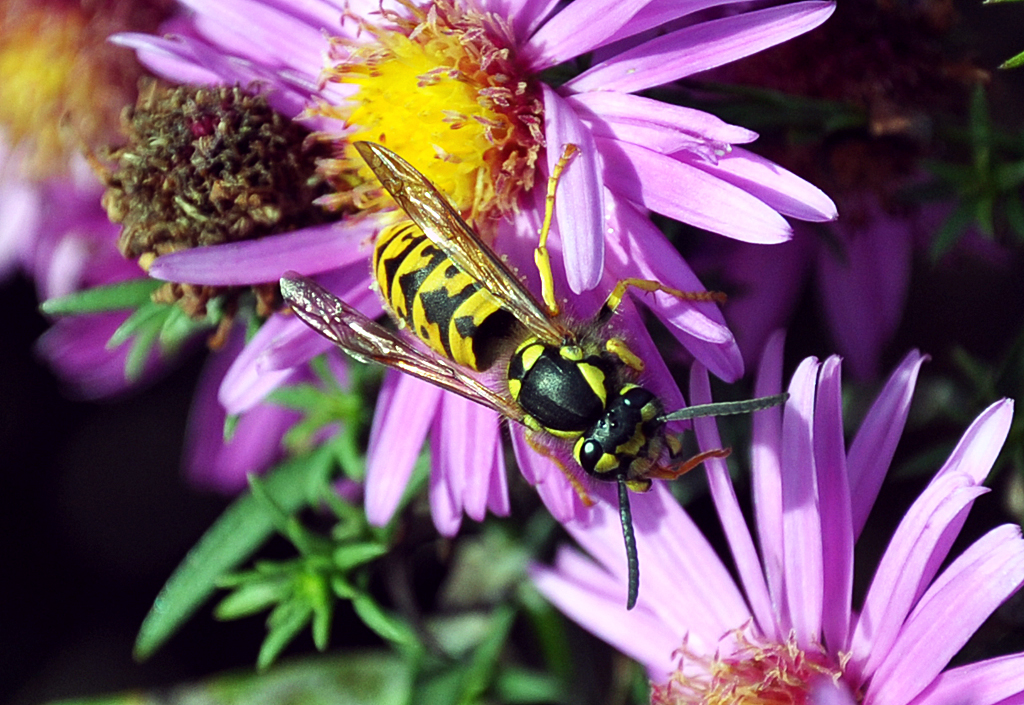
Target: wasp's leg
[[618, 348], [540, 255], [671, 473], [577, 486], [614, 299]]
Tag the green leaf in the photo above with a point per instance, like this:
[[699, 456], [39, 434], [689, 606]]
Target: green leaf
[[477, 678], [113, 297], [350, 678], [951, 229], [385, 625], [236, 535], [250, 599], [518, 685], [286, 621], [1015, 61], [349, 556]]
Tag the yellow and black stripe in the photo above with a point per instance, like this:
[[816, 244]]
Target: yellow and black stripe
[[442, 306]]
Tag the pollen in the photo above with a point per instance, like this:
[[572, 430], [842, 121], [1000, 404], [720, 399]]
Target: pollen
[[441, 87], [745, 672], [62, 84]]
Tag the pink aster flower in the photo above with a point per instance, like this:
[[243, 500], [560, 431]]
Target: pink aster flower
[[787, 629], [405, 75]]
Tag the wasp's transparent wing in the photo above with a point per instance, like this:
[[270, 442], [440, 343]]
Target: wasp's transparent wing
[[368, 341], [442, 224]]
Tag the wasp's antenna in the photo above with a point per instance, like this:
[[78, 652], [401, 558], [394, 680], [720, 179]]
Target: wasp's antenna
[[725, 408], [632, 561]]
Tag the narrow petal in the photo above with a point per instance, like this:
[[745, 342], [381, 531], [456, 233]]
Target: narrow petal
[[497, 494], [405, 409], [631, 111], [977, 450], [920, 544], [308, 251], [949, 613], [779, 188], [660, 12], [682, 191], [681, 576], [875, 443], [873, 266], [766, 469], [834, 498], [171, 58], [447, 478], [473, 434], [524, 15], [801, 518], [636, 248], [988, 682], [741, 543], [579, 205], [702, 46], [550, 482], [258, 31], [577, 29], [591, 599]]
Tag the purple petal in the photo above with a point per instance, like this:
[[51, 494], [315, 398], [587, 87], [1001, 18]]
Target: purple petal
[[577, 29], [405, 408], [918, 547], [625, 112], [949, 613], [550, 482], [172, 58], [700, 47], [766, 469], [977, 450], [470, 434], [779, 188], [447, 478], [681, 576], [801, 518], [247, 383], [524, 15], [213, 462], [825, 691], [256, 31], [655, 15], [834, 499], [579, 203], [682, 191], [77, 350], [871, 266], [988, 682], [590, 597], [875, 443], [764, 285], [638, 249], [308, 251], [497, 491], [741, 543]]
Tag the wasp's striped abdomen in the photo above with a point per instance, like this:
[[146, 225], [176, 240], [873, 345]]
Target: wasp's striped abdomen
[[441, 305]]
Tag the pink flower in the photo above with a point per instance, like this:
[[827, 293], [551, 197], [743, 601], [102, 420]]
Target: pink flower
[[788, 625]]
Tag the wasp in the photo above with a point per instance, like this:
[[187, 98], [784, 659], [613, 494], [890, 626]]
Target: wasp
[[567, 383]]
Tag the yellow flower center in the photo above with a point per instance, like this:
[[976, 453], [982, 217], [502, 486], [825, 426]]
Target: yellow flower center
[[62, 85], [439, 86], [751, 674]]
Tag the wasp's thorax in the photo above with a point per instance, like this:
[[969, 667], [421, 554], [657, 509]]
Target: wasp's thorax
[[583, 397]]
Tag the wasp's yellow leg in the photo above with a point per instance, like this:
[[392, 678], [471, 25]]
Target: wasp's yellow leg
[[618, 348], [671, 473], [577, 486], [540, 255], [615, 298]]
